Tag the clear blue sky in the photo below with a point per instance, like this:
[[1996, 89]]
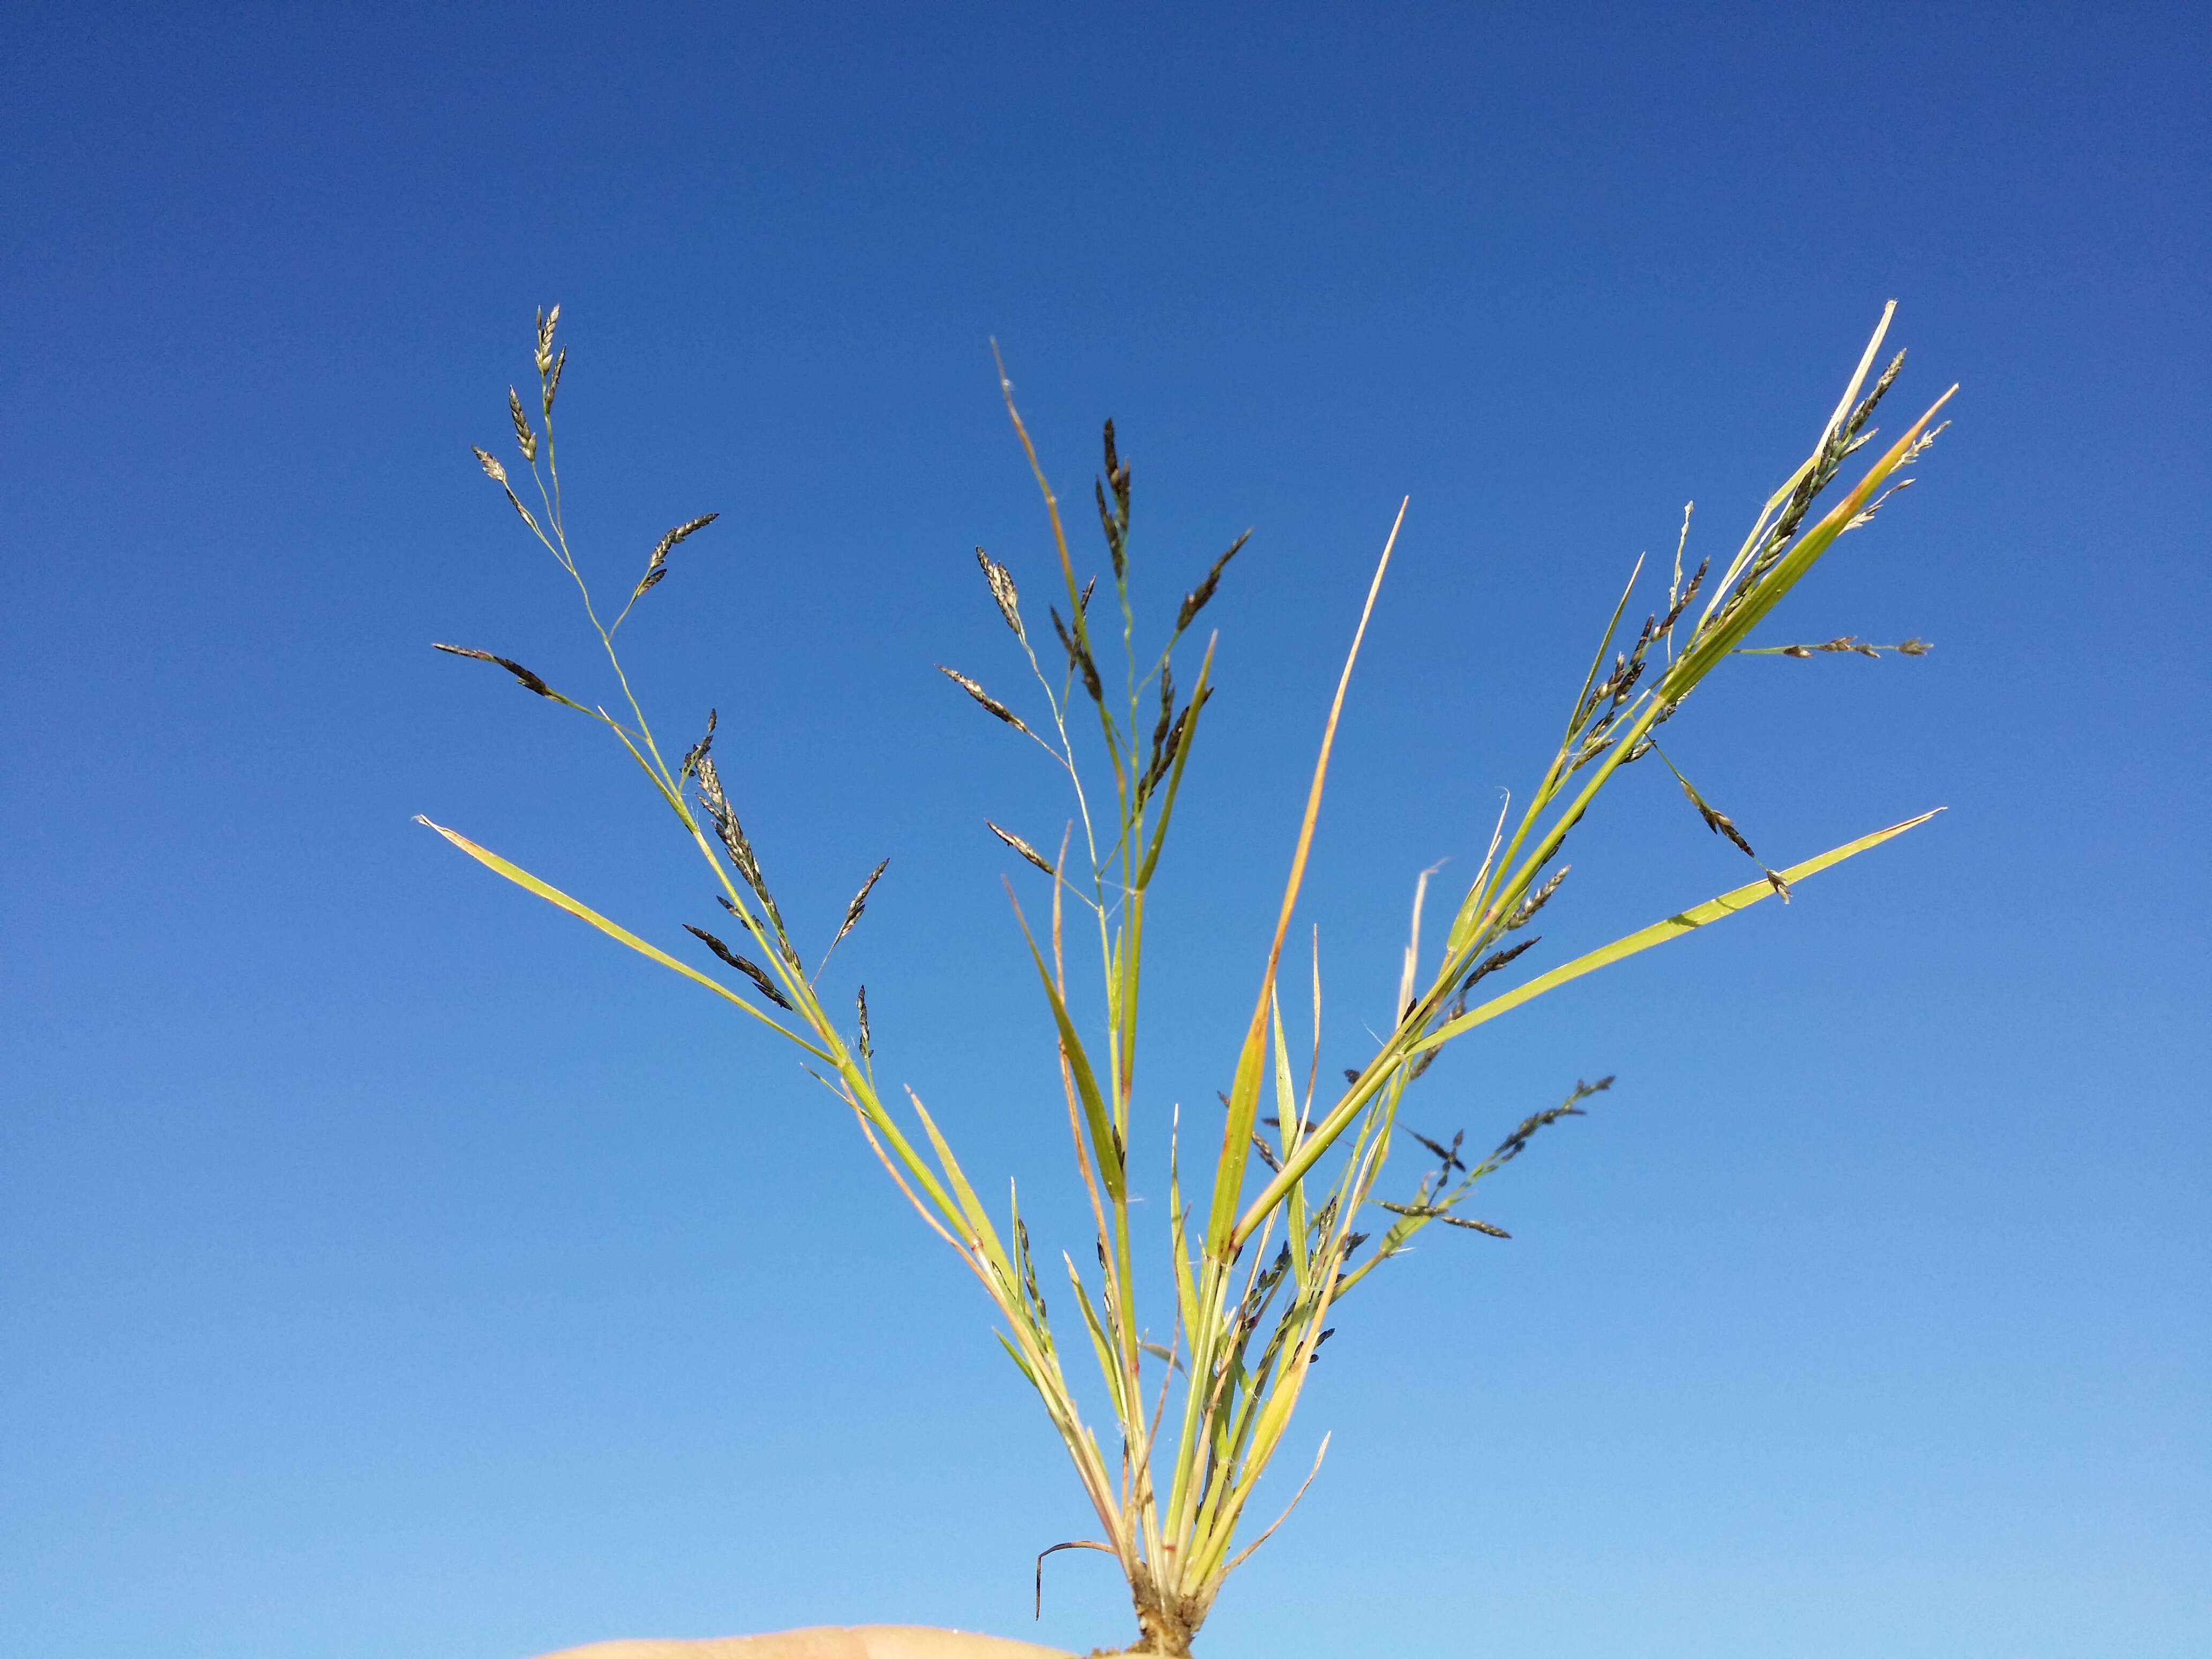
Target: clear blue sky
[[390, 1267]]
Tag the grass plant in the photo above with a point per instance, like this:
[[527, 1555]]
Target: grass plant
[[1267, 1240]]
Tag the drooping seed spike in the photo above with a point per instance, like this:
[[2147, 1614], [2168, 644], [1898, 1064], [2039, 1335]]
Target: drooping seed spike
[[751, 969], [734, 841], [990, 703], [1538, 900], [655, 563], [530, 681], [1020, 846], [1719, 822], [1492, 964], [1078, 655], [1474, 1226]]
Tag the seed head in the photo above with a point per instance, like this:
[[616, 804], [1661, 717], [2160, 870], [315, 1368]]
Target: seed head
[[1020, 846], [547, 320], [1194, 601], [991, 703], [860, 902], [530, 681], [525, 439], [751, 970], [655, 564], [1002, 592]]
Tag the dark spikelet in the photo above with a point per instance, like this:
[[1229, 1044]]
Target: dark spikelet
[[1114, 548], [552, 380], [1079, 655], [1267, 1155], [859, 903], [530, 681], [1082, 600], [733, 834], [1194, 601], [989, 702], [1873, 399], [1719, 822], [751, 970], [1167, 715], [1591, 751], [1020, 846], [1003, 592], [1490, 964], [1448, 1155], [710, 785], [682, 532], [697, 752], [1537, 900], [867, 1043], [1113, 520], [1165, 760], [1117, 476], [1350, 1075], [1512, 1146], [1682, 601], [653, 566], [1474, 1226]]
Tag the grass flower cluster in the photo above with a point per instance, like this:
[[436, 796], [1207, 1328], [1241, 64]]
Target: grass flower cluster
[[1287, 1217]]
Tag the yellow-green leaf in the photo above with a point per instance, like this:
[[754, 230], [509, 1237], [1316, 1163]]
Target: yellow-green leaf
[[1659, 932], [552, 895]]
